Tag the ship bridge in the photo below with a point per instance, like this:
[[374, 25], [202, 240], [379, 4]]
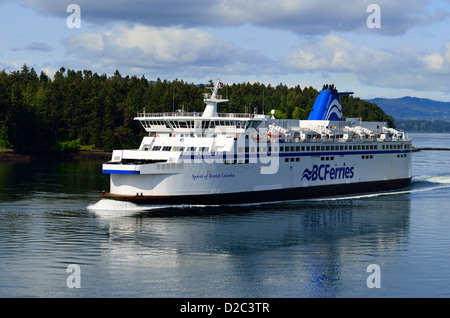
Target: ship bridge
[[200, 124], [195, 125]]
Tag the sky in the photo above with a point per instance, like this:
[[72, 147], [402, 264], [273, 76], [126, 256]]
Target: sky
[[374, 48]]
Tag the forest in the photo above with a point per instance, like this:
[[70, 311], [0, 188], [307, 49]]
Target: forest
[[84, 109], [423, 126]]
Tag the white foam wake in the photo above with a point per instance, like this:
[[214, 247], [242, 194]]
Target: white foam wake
[[114, 205], [374, 195], [432, 183], [108, 208], [434, 179]]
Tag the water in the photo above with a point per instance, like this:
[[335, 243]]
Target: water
[[51, 217]]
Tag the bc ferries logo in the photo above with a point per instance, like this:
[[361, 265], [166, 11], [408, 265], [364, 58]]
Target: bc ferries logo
[[324, 172], [334, 111]]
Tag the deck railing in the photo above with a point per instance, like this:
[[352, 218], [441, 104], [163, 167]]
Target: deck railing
[[194, 114]]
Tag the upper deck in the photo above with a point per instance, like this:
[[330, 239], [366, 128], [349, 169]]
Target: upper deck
[[325, 123]]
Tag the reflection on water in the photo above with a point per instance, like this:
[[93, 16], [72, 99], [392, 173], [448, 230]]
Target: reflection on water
[[22, 180], [231, 229], [51, 217], [254, 241]]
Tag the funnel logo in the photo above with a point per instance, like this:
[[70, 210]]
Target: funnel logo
[[325, 172], [334, 111]]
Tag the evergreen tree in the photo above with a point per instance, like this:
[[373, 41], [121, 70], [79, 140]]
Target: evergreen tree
[[76, 108]]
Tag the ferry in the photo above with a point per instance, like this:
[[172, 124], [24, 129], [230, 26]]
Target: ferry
[[228, 158]]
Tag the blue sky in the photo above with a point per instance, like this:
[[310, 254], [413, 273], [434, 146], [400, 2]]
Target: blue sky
[[306, 43]]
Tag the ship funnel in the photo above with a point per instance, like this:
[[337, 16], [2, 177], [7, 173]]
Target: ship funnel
[[327, 105]]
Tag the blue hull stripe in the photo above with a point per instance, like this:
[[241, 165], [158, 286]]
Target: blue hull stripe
[[121, 172]]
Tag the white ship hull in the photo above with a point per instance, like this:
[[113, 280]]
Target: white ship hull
[[304, 175], [228, 166]]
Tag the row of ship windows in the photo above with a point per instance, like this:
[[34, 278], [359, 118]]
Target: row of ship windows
[[170, 166], [175, 148], [351, 147], [396, 146], [365, 157], [297, 159], [284, 149], [328, 148], [205, 123]]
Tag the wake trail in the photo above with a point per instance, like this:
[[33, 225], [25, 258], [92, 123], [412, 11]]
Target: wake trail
[[418, 184]]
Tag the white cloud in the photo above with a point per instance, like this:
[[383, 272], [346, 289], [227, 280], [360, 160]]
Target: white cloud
[[167, 45], [438, 63], [401, 67], [305, 60], [170, 49], [434, 62], [335, 54], [446, 52], [86, 43], [187, 52]]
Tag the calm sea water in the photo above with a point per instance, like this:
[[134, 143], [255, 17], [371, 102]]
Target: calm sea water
[[51, 219]]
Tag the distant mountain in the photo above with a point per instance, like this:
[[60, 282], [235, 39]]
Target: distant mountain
[[407, 108]]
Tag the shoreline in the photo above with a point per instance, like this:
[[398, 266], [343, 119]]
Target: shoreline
[[10, 155], [429, 148]]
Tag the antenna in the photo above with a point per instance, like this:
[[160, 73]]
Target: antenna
[[211, 100], [263, 101]]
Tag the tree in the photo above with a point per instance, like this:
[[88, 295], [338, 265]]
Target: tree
[[76, 108]]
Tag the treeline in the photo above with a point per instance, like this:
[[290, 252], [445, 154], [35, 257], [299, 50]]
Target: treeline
[[424, 126], [38, 113]]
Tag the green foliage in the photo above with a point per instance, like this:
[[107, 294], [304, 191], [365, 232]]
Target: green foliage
[[3, 137], [77, 108], [68, 146], [299, 113], [279, 114]]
